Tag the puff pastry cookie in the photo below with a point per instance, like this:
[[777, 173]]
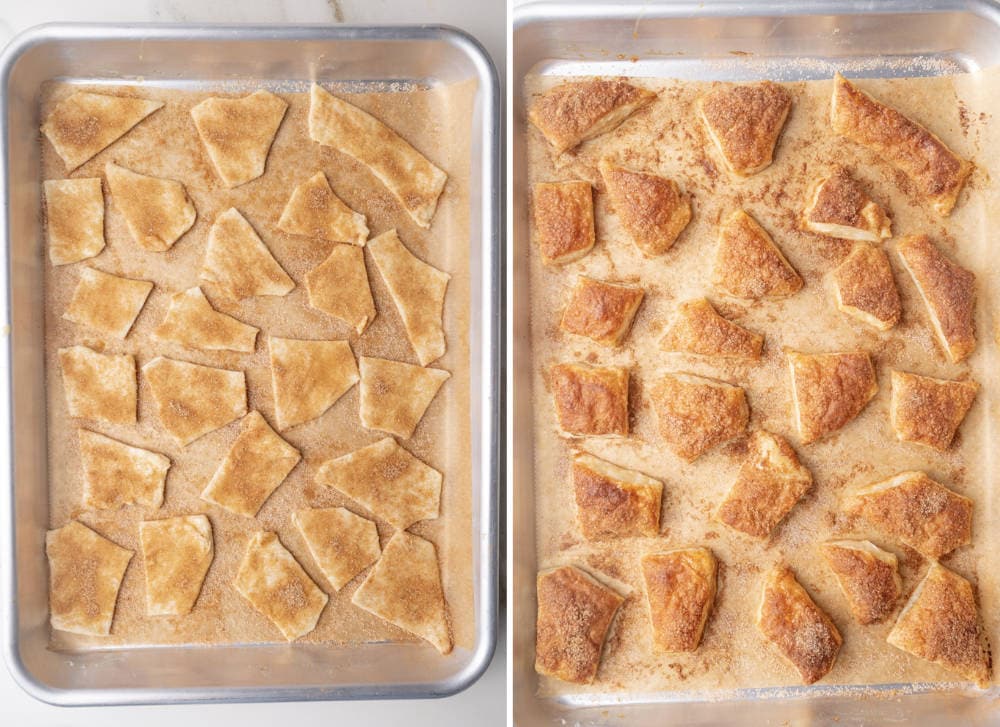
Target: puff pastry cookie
[[107, 303], [176, 553], [238, 262], [696, 414], [590, 401], [864, 288], [314, 210], [308, 377], [840, 207], [929, 411], [99, 386], [601, 311], [395, 395], [342, 544], [748, 264], [697, 328], [339, 287], [157, 211], [651, 208], [744, 123], [680, 590], [564, 220], [116, 474], [74, 219], [829, 390], [614, 502], [192, 322], [868, 577]]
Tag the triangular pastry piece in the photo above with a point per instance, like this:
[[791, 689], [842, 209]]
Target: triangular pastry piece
[[651, 208], [117, 474], [564, 220], [696, 414], [680, 591], [864, 288], [929, 411], [748, 264], [107, 303], [840, 207], [314, 210], [590, 401], [744, 123], [342, 544], [308, 377], [99, 386], [601, 311], [238, 262], [395, 395], [157, 211], [698, 329], [339, 287], [74, 219], [192, 322], [868, 576], [614, 502], [829, 390], [176, 553]]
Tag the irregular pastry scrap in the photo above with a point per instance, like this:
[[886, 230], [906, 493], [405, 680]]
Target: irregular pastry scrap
[[395, 395], [748, 264], [947, 289], [74, 217], [929, 411], [314, 210], [107, 303], [614, 502], [238, 261], [389, 481], [696, 414], [829, 390], [574, 615], [744, 123], [117, 474], [601, 311], [99, 386], [801, 630], [85, 572], [590, 401], [342, 544], [652, 209], [193, 400], [176, 552], [339, 287], [157, 211], [769, 483], [237, 133], [417, 289], [680, 588], [698, 329], [192, 322], [863, 287], [308, 377], [918, 511], [936, 170], [868, 576], [564, 220], [405, 172], [253, 468], [840, 207], [85, 123], [274, 583]]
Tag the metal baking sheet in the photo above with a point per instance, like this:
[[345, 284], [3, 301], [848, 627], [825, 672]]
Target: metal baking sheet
[[281, 58]]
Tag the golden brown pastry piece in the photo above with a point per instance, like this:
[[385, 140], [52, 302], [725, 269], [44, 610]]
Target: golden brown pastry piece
[[864, 288], [238, 262], [176, 554], [314, 210], [614, 502], [308, 377], [574, 615], [748, 264], [698, 329], [929, 411], [99, 386], [840, 207], [696, 414], [564, 220], [74, 219], [157, 211], [192, 322], [935, 169], [342, 544], [600, 310], [107, 303], [116, 474], [868, 577], [395, 395], [744, 123], [590, 401], [829, 390], [680, 588], [652, 209], [339, 287]]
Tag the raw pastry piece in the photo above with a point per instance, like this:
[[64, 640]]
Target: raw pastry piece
[[192, 322], [868, 576], [573, 113], [418, 291], [85, 572], [696, 414], [564, 220], [840, 207], [237, 133], [929, 411], [601, 311], [940, 623], [614, 502], [405, 172], [590, 401], [935, 169], [864, 288], [253, 468], [574, 615], [193, 400], [274, 583], [680, 589], [338, 286], [314, 210], [107, 303], [652, 209], [744, 123], [698, 329], [117, 474], [74, 216], [308, 377], [947, 289], [389, 481], [829, 390], [99, 386], [157, 211], [176, 553], [769, 483], [395, 395], [342, 544], [238, 261], [748, 264], [918, 511], [85, 123]]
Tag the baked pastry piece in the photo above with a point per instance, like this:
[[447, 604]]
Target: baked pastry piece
[[614, 502], [308, 377], [651, 208], [840, 207], [395, 395], [929, 411], [238, 132], [601, 311], [574, 615], [389, 481], [74, 219], [99, 386], [748, 264], [314, 210], [405, 172], [864, 288], [156, 211], [940, 623], [238, 262], [680, 589], [192, 322], [802, 632], [176, 553], [339, 287], [342, 544], [769, 483], [697, 328], [829, 390], [947, 289], [564, 220], [85, 123], [417, 289], [935, 169], [918, 511], [744, 122], [107, 303], [868, 576], [117, 474], [696, 414], [590, 401], [274, 583]]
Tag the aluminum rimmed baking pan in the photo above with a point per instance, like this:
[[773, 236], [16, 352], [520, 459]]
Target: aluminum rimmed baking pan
[[229, 57]]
